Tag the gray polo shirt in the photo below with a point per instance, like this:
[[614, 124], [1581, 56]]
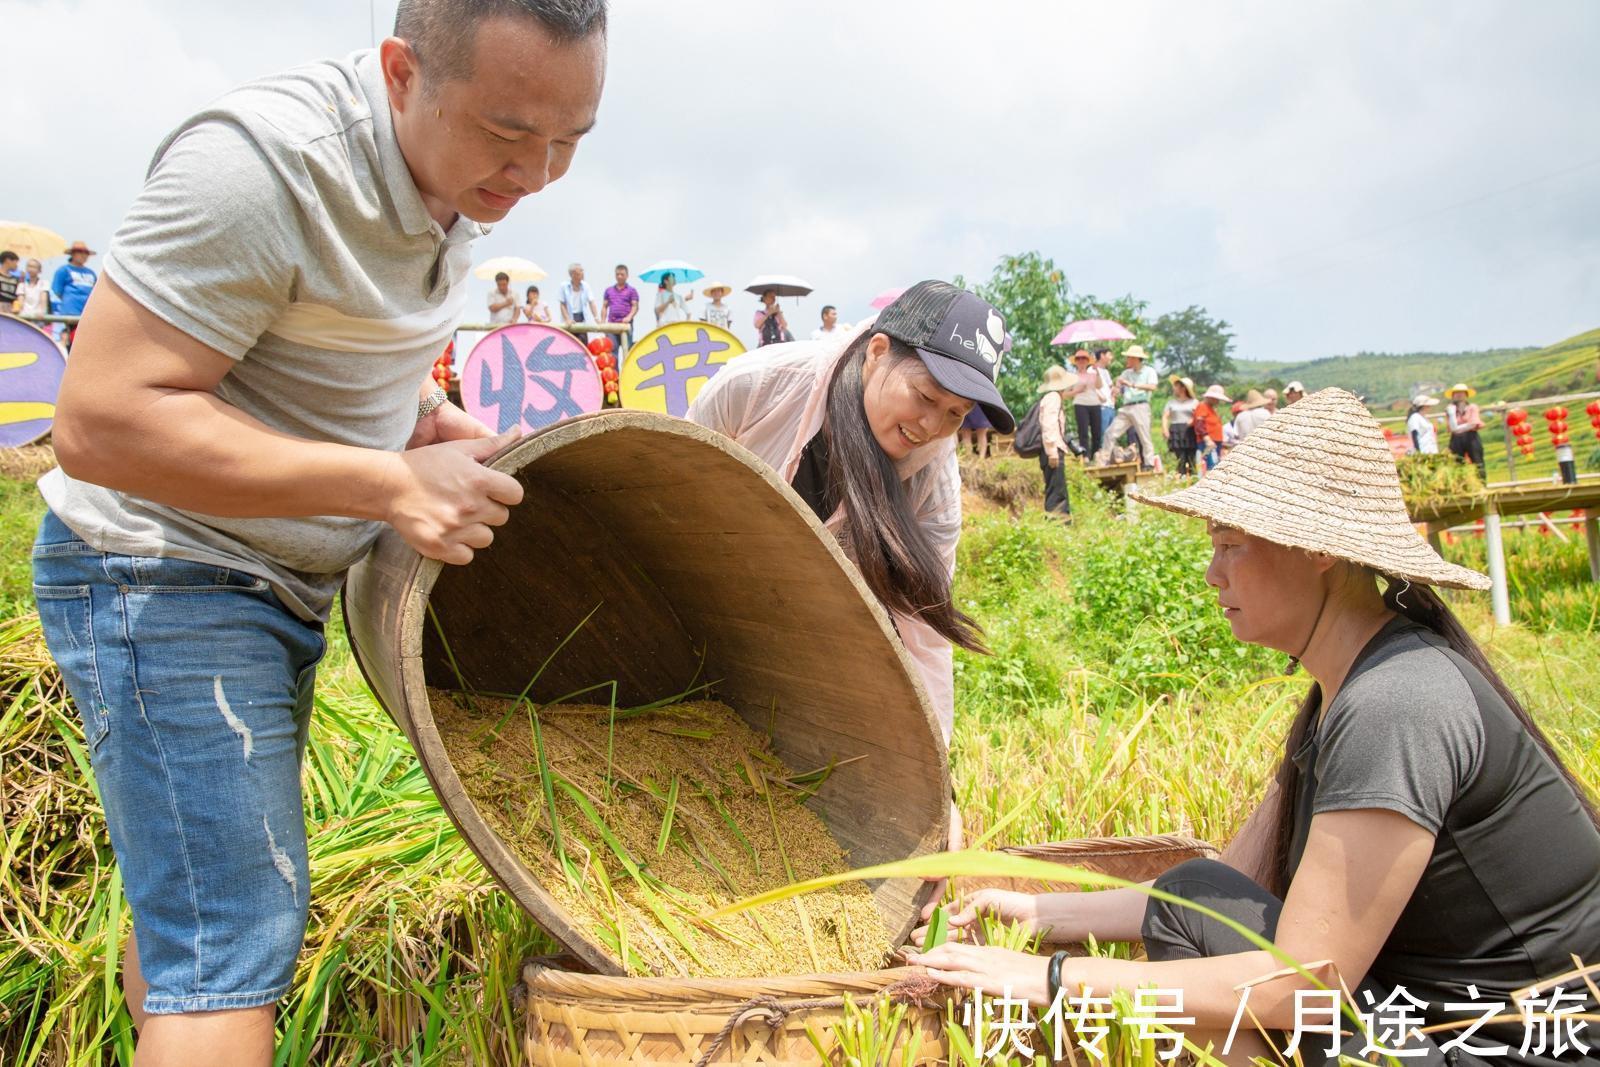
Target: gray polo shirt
[[281, 227]]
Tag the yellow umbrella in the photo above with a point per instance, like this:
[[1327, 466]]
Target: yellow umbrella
[[521, 270], [30, 241]]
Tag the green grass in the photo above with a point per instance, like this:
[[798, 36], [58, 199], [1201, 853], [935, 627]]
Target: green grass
[[20, 508], [1115, 703]]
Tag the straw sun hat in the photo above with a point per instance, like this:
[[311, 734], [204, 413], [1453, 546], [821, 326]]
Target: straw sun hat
[[1319, 476], [1055, 379]]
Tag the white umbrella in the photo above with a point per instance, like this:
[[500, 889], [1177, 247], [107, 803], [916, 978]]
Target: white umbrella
[[521, 270], [782, 284]]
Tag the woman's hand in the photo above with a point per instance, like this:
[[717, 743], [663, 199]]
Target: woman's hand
[[1001, 904], [993, 970]]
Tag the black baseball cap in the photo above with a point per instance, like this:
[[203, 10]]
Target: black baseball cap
[[959, 336]]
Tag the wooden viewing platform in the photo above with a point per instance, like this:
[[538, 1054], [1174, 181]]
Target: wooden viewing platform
[[1515, 498]]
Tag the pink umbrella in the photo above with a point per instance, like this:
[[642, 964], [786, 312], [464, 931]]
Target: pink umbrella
[[887, 297], [1074, 333]]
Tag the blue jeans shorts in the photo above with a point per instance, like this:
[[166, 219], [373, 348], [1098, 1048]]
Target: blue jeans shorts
[[193, 683]]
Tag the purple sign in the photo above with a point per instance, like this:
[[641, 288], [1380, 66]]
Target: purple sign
[[31, 367], [529, 376]]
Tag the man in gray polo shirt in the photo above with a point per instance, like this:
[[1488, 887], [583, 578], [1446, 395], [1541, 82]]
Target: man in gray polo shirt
[[248, 402]]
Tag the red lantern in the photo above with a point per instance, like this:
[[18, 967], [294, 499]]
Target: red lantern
[[1559, 426], [599, 345], [604, 361], [1516, 417]]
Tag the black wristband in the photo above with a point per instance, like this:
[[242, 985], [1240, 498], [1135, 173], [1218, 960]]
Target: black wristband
[[1053, 976]]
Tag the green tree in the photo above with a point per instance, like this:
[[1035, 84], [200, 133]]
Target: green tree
[[1033, 295], [1191, 343]]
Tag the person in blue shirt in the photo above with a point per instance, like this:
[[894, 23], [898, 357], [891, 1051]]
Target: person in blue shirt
[[73, 280]]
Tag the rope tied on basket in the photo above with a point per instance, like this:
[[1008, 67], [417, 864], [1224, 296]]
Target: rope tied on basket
[[915, 989]]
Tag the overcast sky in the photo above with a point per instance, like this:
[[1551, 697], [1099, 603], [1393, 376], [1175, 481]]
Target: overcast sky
[[1328, 178]]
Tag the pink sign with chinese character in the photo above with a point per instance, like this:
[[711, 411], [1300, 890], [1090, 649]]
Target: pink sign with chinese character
[[527, 377]]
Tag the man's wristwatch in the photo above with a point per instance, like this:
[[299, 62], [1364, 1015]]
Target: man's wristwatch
[[431, 403]]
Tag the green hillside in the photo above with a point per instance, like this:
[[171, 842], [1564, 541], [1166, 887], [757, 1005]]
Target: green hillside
[[1570, 366], [1385, 379]]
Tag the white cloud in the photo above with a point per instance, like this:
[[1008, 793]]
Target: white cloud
[[1285, 165]]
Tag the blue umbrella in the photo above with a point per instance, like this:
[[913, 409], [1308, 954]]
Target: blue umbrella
[[680, 270]]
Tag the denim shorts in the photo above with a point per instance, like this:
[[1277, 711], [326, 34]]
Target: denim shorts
[[193, 683]]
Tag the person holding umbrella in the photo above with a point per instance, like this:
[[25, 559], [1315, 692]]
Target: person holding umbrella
[[1089, 394], [670, 306], [864, 433], [772, 327]]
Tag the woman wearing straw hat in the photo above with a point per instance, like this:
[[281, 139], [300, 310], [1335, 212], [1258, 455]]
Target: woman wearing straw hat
[[1177, 423], [1252, 412], [1209, 432], [1053, 435], [1091, 391], [864, 431], [1465, 422], [716, 312], [1424, 438], [1421, 832]]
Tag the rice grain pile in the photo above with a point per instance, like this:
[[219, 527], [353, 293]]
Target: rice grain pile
[[659, 818]]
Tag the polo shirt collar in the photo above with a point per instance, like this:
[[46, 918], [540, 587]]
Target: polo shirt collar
[[403, 192]]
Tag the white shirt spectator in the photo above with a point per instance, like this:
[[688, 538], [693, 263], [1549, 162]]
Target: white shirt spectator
[[718, 315], [669, 307], [838, 331], [1424, 437], [35, 296], [505, 315]]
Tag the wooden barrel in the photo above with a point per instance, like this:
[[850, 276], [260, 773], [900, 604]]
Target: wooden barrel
[[684, 545]]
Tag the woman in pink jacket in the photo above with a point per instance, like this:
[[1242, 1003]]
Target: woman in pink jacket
[[864, 431]]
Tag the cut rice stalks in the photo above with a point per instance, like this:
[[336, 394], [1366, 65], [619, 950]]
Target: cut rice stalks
[[640, 821]]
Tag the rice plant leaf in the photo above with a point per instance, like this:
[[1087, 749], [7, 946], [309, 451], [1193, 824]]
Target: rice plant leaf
[[938, 929], [666, 819], [971, 863]]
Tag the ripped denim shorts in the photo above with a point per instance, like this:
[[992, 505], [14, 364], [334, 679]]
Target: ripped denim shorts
[[193, 683]]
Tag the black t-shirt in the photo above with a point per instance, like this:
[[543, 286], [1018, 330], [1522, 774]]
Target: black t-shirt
[[9, 284], [811, 477], [1512, 890]]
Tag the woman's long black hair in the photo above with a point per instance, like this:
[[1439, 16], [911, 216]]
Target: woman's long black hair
[[889, 546], [1423, 606]]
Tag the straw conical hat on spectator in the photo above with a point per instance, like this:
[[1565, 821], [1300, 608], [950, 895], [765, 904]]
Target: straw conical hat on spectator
[[1055, 379], [1318, 475]]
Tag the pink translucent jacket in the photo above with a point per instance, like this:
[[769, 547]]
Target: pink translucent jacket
[[772, 402]]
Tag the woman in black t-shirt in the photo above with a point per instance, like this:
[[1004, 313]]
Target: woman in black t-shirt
[[1422, 843]]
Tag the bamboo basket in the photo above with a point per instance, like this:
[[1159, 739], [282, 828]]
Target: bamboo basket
[[577, 1020], [703, 563]]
